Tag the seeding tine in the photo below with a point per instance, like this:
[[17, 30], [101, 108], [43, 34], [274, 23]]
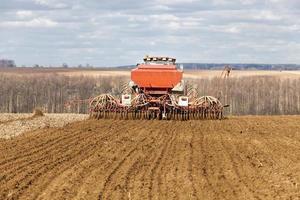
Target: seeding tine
[[122, 115], [115, 114], [135, 115], [171, 115], [177, 114]]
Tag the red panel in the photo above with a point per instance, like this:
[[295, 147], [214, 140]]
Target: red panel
[[156, 76], [162, 67]]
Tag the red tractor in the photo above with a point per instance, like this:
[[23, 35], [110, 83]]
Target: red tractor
[[156, 91]]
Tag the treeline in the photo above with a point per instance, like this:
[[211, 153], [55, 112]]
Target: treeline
[[237, 66], [7, 63], [53, 93], [58, 94], [254, 95]]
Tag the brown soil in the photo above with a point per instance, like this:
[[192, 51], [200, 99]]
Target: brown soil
[[238, 158], [38, 113]]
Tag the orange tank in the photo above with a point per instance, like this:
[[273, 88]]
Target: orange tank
[[157, 73]]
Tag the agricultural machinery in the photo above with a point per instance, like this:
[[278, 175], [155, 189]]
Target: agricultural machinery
[[156, 91]]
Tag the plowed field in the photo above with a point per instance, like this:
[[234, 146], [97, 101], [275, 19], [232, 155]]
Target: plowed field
[[237, 158]]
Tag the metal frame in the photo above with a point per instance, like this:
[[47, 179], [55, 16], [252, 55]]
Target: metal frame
[[144, 106]]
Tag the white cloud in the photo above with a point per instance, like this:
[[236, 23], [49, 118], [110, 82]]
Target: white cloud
[[51, 3], [42, 2], [295, 27], [23, 14], [248, 2], [34, 23], [268, 15], [192, 30], [170, 2], [221, 2], [232, 30]]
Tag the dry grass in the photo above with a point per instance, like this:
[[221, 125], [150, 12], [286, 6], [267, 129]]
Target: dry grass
[[109, 72], [240, 73], [12, 125]]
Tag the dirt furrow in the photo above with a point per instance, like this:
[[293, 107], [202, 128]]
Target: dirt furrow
[[191, 162], [213, 164], [237, 158], [108, 180], [91, 155], [131, 174], [41, 157], [126, 173], [115, 189], [156, 172], [28, 144], [29, 177], [140, 183], [66, 153], [107, 158], [29, 152]]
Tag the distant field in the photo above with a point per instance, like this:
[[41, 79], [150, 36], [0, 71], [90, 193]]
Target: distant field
[[118, 72], [241, 73]]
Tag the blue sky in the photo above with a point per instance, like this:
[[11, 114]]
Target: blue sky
[[121, 32]]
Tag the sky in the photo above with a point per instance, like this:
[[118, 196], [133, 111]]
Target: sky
[[121, 32]]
